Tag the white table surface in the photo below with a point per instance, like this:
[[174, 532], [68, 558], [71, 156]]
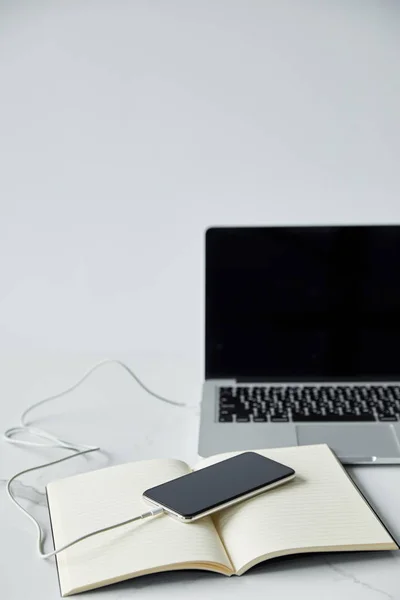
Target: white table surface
[[110, 411], [126, 128]]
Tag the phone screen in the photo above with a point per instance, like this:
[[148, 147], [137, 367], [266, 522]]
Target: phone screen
[[224, 482]]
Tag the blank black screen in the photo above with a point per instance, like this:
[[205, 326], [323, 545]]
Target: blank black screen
[[203, 490], [303, 303]]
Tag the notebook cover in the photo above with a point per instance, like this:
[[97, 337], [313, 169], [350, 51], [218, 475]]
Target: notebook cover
[[54, 544]]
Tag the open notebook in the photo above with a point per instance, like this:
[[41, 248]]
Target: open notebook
[[320, 510]]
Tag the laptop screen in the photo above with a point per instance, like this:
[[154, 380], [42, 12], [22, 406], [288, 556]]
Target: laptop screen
[[303, 303]]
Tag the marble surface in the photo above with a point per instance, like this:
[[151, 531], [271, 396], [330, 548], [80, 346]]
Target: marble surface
[[110, 410]]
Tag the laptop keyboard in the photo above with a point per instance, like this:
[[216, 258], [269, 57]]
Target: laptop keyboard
[[282, 404]]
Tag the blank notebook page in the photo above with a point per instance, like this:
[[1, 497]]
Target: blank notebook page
[[320, 509], [90, 501]]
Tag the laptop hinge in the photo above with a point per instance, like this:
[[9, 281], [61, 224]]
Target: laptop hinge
[[262, 379]]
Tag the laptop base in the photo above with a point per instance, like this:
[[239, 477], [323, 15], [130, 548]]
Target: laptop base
[[353, 443]]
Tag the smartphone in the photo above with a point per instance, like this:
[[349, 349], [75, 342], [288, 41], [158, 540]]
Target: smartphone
[[218, 486]]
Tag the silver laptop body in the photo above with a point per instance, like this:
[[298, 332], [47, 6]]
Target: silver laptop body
[[302, 340]]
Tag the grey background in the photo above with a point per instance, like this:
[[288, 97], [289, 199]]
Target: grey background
[[126, 128]]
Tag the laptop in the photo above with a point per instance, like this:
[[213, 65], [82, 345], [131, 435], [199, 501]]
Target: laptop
[[302, 340]]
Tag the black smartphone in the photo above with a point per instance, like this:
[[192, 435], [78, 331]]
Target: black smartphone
[[218, 486]]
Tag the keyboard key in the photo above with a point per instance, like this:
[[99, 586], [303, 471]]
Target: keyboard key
[[225, 418], [300, 417], [332, 417]]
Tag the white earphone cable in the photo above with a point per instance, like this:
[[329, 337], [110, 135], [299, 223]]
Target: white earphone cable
[[52, 441]]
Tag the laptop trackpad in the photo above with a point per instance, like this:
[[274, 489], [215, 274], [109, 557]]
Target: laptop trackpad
[[352, 441]]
